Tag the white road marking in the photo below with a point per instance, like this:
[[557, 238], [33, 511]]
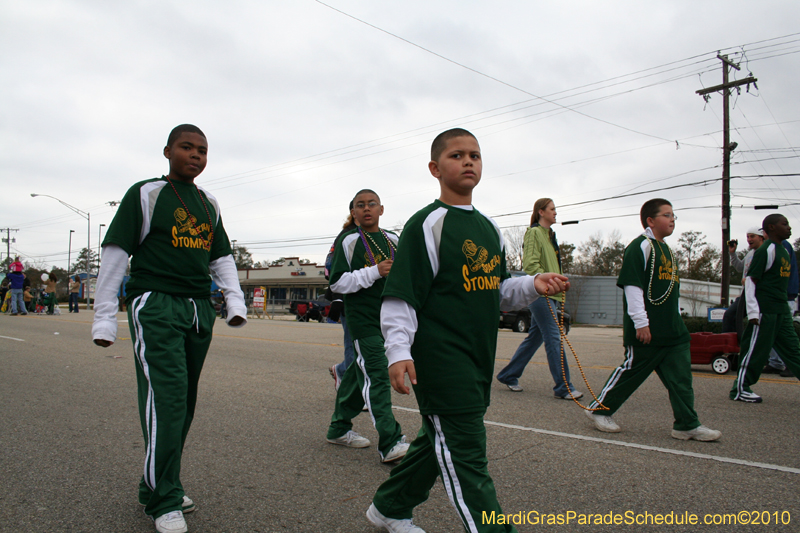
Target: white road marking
[[12, 338], [731, 460]]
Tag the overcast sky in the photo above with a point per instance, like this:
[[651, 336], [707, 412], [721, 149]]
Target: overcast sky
[[305, 103]]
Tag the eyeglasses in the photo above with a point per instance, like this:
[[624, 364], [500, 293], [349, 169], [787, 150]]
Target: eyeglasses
[[361, 205], [668, 216]]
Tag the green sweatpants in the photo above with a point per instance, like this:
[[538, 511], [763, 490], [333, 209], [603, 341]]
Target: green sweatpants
[[452, 447], [367, 383], [171, 337], [672, 364], [773, 330]]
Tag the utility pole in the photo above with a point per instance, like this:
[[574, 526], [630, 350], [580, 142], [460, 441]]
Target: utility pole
[[7, 240], [727, 148]]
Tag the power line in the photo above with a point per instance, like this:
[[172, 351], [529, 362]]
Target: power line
[[483, 74]]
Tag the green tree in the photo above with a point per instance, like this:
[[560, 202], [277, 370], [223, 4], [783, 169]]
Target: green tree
[[567, 252], [599, 256], [80, 263], [697, 259], [242, 257]]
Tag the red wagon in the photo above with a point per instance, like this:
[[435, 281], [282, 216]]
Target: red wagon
[[720, 350]]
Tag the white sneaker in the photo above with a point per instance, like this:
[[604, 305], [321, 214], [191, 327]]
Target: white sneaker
[[576, 394], [390, 524], [351, 439], [701, 433], [748, 397], [171, 523], [603, 423], [188, 505], [514, 388], [397, 452]]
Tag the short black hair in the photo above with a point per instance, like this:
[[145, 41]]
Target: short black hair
[[183, 128], [440, 142], [362, 191], [770, 220], [651, 208]]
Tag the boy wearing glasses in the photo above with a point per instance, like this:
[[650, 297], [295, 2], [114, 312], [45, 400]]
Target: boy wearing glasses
[[649, 278], [361, 261]]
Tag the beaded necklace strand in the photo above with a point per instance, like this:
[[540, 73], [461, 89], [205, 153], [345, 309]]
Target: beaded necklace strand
[[206, 243], [362, 233], [664, 297], [563, 335]]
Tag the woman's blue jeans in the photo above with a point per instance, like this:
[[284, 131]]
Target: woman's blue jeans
[[543, 329], [349, 353]]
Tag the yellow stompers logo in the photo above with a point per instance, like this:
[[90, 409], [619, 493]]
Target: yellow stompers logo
[[478, 262], [786, 268], [188, 223], [666, 269]]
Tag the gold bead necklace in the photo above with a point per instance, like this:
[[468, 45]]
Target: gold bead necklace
[[664, 297], [563, 335]]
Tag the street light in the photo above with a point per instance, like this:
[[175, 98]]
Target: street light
[[85, 215], [69, 251], [99, 242]]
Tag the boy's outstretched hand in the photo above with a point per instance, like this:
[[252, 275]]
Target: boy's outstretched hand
[[236, 321], [549, 283], [102, 342], [397, 375]]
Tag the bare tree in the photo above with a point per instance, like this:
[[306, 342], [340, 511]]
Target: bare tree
[[515, 243]]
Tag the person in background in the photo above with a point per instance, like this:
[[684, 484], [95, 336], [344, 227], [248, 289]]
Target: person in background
[[74, 289], [337, 306], [17, 303], [50, 292], [769, 316], [540, 255], [27, 297], [755, 238]]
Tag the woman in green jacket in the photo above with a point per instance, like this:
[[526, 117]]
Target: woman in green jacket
[[540, 255]]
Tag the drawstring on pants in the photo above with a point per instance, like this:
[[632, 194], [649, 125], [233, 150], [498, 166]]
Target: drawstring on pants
[[195, 321]]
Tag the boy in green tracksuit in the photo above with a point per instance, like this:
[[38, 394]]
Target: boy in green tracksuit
[[770, 319], [174, 232], [452, 258], [362, 259], [654, 334]]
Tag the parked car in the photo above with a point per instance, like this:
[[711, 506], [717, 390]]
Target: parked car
[[520, 320]]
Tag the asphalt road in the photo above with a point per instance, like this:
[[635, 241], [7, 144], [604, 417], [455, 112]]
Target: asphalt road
[[257, 461]]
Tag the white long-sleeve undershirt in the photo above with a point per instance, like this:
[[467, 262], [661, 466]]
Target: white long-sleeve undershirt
[[753, 311], [112, 272], [635, 297], [351, 282], [106, 304], [223, 272]]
